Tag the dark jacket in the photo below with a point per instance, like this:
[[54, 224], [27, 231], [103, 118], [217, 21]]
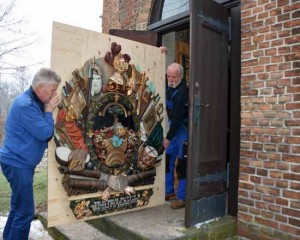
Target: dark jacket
[[178, 115]]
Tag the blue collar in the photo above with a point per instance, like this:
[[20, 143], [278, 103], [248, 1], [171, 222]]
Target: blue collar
[[36, 98]]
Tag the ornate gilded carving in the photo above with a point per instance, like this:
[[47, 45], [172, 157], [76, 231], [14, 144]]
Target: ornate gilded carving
[[110, 120]]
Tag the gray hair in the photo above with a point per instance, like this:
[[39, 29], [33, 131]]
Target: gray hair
[[179, 69], [45, 76]]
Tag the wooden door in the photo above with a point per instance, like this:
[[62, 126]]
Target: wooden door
[[206, 182]]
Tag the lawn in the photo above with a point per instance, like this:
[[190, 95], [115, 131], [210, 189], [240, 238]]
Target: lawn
[[40, 190]]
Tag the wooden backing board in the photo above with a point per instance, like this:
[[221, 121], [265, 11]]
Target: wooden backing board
[[71, 48]]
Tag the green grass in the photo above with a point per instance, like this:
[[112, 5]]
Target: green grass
[[40, 190], [5, 195]]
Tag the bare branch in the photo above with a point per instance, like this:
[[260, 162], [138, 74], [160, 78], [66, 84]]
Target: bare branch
[[12, 41]]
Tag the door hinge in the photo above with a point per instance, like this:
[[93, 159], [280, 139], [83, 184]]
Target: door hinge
[[216, 177], [215, 23]]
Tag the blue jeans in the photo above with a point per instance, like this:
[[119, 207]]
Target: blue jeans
[[21, 212], [175, 150]]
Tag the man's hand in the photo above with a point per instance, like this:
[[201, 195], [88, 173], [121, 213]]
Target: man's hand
[[163, 49], [50, 106], [166, 143]]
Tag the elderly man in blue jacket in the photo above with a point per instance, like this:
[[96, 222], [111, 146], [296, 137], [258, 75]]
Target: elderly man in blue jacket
[[28, 128]]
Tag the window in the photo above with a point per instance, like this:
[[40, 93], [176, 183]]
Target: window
[[174, 7]]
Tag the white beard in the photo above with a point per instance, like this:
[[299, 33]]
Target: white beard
[[173, 85]]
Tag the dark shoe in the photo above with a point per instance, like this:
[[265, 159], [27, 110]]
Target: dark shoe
[[177, 204], [171, 196]]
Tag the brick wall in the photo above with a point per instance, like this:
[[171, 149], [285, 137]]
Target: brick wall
[[269, 182], [110, 17], [126, 14]]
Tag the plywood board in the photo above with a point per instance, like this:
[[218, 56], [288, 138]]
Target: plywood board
[[71, 48]]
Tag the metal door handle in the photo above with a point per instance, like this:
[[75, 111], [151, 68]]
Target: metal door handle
[[203, 105]]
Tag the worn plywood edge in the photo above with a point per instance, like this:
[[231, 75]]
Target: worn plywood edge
[[71, 48]]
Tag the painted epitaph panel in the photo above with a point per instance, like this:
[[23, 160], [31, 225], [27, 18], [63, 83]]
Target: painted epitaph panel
[[106, 156]]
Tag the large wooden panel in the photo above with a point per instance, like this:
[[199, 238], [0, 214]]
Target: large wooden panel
[[71, 48]]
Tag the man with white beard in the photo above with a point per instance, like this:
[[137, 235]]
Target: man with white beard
[[177, 110]]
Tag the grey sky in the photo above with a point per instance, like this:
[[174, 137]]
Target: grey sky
[[41, 13]]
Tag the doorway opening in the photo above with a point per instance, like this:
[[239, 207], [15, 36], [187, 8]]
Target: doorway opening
[[178, 46]]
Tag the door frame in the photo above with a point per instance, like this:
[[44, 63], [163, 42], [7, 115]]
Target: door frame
[[182, 21]]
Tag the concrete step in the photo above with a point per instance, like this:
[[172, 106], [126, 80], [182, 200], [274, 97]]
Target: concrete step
[[155, 223], [162, 223], [76, 231]]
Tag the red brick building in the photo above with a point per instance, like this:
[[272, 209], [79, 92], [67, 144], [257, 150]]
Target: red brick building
[[263, 101]]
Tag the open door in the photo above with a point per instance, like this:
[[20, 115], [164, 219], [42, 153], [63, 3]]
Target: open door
[[206, 183]]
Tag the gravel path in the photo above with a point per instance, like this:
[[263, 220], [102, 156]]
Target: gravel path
[[37, 230]]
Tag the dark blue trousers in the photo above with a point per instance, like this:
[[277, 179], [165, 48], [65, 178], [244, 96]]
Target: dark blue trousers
[[21, 204], [175, 150]]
